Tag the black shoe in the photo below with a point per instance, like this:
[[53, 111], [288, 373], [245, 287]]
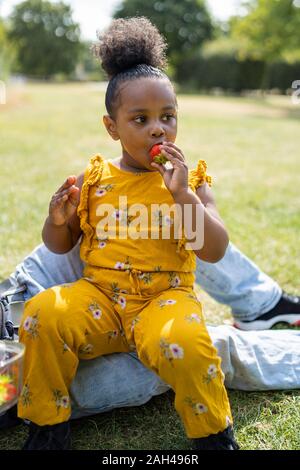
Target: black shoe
[[287, 310], [9, 418], [55, 437], [224, 440]]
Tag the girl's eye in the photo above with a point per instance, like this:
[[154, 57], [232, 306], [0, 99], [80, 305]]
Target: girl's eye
[[169, 116], [141, 119]]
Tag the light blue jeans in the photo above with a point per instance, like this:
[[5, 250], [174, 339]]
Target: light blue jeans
[[251, 360], [258, 360], [238, 282]]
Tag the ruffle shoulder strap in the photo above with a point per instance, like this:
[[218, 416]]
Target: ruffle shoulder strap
[[92, 176], [198, 176]]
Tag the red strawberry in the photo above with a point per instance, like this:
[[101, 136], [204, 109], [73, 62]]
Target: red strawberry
[[156, 155], [11, 392]]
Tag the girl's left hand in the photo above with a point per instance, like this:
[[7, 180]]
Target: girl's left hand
[[176, 178]]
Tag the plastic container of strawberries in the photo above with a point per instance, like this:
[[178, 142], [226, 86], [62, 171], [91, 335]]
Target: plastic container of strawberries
[[11, 370]]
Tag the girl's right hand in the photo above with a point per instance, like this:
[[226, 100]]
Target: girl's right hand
[[64, 202]]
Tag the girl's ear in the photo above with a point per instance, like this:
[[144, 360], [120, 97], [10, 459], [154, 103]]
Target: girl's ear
[[111, 127]]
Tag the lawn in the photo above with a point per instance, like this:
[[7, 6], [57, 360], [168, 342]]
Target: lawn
[[251, 146]]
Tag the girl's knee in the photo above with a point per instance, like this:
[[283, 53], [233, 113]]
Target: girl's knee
[[188, 344], [186, 335]]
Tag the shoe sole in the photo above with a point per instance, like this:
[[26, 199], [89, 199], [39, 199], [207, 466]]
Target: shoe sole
[[291, 319]]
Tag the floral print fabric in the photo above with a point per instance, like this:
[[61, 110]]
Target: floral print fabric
[[134, 296], [87, 319]]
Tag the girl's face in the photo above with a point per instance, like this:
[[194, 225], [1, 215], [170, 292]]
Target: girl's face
[[146, 115]]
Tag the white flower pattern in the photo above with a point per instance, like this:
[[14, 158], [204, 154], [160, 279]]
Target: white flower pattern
[[96, 311], [177, 351], [100, 192], [103, 189], [97, 314], [212, 372], [171, 351], [27, 323], [119, 265], [122, 301], [193, 318], [65, 401], [162, 303], [198, 408]]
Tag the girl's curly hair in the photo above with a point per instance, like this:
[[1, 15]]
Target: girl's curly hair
[[129, 42], [130, 48]]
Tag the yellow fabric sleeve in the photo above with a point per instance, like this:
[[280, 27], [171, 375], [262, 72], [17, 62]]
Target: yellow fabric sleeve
[[198, 176]]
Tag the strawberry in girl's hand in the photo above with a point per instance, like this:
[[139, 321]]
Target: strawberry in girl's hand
[[156, 155]]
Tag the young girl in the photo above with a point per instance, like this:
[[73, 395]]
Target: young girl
[[137, 292]]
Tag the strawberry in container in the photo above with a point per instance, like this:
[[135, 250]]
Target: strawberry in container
[[11, 366], [8, 390]]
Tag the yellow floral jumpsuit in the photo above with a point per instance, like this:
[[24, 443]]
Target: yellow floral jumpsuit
[[135, 294]]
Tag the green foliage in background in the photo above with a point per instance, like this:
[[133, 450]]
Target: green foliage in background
[[89, 67], [7, 53], [270, 32], [211, 68], [46, 37], [185, 24], [259, 50]]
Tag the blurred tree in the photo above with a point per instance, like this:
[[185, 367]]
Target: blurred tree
[[270, 31], [89, 64], [3, 46], [46, 37], [186, 24], [7, 53]]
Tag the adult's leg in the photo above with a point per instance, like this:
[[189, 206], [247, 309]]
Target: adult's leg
[[236, 281], [113, 381], [260, 360], [42, 269]]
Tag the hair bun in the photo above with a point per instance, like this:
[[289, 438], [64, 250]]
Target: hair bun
[[128, 42]]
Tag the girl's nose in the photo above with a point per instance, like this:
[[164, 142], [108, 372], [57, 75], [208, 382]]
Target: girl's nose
[[157, 131]]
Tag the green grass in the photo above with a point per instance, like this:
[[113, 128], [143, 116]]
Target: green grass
[[49, 131]]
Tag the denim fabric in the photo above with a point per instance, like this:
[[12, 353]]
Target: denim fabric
[[113, 381], [258, 360], [238, 282]]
